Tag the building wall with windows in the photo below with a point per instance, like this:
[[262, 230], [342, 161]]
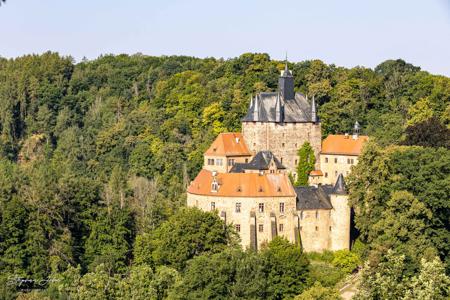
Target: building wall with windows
[[332, 165], [283, 140], [222, 164], [258, 219]]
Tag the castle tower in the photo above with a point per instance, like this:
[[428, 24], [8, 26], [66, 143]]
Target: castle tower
[[340, 217], [286, 84], [281, 122]]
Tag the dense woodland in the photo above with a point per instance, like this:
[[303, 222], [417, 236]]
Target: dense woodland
[[95, 158]]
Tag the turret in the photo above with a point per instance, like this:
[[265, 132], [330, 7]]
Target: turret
[[340, 217], [313, 111], [278, 110], [356, 130], [286, 84]]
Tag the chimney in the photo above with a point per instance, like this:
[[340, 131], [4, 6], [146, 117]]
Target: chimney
[[356, 130], [346, 135], [237, 140]]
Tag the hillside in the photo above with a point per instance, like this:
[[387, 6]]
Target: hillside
[[95, 158]]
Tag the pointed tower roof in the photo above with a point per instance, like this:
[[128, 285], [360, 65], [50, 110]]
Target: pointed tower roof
[[339, 187], [313, 110], [278, 110], [286, 72]]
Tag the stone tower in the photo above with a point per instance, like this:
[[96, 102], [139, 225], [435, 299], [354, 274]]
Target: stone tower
[[281, 122], [340, 217]]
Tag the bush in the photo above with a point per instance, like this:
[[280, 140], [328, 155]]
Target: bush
[[346, 261]]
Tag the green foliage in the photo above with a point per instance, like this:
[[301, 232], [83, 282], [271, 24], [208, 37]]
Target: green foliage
[[306, 163], [346, 261], [401, 204], [318, 292], [95, 158], [389, 279], [188, 233]]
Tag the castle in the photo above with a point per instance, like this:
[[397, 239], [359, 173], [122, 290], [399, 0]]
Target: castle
[[245, 177]]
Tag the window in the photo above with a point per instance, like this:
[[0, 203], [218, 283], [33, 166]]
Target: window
[[296, 162], [238, 207], [281, 160], [246, 160], [326, 159], [350, 161], [282, 207], [210, 161], [335, 160], [280, 227], [282, 144], [272, 171], [326, 175], [260, 227], [213, 205], [214, 186], [317, 214], [238, 227], [295, 145], [261, 207], [330, 228], [231, 162], [219, 161], [317, 228]]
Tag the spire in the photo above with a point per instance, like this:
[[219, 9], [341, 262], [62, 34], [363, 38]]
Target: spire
[[339, 187], [286, 83], [251, 102], [278, 110], [356, 130], [313, 110], [256, 109]]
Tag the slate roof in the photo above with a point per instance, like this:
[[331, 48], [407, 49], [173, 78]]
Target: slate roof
[[311, 197], [261, 161], [339, 187], [262, 109]]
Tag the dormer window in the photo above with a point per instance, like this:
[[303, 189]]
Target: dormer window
[[214, 186], [260, 189], [239, 189]]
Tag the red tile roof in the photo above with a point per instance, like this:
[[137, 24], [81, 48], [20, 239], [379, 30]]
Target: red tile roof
[[316, 173], [229, 144], [343, 144], [242, 185]]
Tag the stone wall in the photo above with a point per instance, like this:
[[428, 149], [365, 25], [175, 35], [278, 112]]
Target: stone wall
[[333, 165], [283, 139], [250, 219], [340, 223], [315, 229]]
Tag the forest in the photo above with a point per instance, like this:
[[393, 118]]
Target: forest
[[95, 158]]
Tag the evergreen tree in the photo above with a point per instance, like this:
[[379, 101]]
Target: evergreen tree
[[305, 165]]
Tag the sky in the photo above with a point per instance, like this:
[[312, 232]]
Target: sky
[[343, 32]]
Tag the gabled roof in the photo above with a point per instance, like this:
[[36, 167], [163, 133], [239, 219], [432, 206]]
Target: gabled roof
[[229, 144], [263, 109], [316, 173], [343, 144], [311, 197], [261, 161], [242, 185]]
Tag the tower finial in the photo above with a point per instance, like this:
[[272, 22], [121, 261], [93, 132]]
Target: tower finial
[[356, 130], [286, 69]]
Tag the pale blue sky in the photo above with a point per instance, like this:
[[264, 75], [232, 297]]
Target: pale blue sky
[[343, 32]]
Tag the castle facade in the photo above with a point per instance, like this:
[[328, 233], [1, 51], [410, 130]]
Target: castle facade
[[245, 177]]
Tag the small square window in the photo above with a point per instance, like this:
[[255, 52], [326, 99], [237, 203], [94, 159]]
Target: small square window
[[238, 227], [282, 144], [335, 160], [326, 175], [281, 227], [326, 159], [296, 162], [213, 205], [246, 160], [238, 207], [330, 228], [261, 228], [261, 207], [317, 228]]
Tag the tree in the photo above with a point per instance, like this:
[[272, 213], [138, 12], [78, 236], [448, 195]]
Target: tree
[[287, 269], [189, 233], [306, 163], [318, 292], [429, 133]]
